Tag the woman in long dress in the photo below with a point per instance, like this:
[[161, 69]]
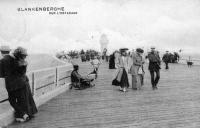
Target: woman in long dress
[[136, 70], [112, 61], [121, 76]]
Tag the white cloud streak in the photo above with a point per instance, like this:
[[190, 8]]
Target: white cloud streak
[[168, 25]]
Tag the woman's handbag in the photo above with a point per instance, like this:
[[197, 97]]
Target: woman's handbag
[[140, 71], [115, 82]]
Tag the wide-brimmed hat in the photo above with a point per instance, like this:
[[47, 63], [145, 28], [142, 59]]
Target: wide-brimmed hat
[[123, 49], [139, 50], [20, 51], [5, 48]]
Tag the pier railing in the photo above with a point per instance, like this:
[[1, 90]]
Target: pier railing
[[43, 81]]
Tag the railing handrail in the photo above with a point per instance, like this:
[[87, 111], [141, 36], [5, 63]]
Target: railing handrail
[[4, 100], [190, 59], [45, 69], [33, 78]]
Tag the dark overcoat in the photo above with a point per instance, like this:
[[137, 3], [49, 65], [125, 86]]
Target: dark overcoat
[[17, 85], [15, 77]]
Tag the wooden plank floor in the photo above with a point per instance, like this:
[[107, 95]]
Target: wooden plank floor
[[176, 103]]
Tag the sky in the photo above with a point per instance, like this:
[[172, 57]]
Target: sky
[[166, 24]]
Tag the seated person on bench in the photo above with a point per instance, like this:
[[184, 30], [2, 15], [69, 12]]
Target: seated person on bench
[[79, 81]]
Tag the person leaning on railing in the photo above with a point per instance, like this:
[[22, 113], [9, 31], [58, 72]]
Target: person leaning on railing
[[13, 69]]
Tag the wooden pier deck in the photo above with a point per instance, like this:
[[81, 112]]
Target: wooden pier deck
[[176, 103]]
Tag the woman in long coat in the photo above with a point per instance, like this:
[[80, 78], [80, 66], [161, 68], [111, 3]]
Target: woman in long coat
[[112, 61], [136, 69], [13, 69], [121, 76]]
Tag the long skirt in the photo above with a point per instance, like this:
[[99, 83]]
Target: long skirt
[[123, 82], [22, 101], [136, 82]]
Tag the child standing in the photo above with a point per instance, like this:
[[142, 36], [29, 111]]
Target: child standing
[[95, 63]]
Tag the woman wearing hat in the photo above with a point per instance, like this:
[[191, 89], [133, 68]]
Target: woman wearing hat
[[121, 77], [112, 61], [17, 84], [136, 69]]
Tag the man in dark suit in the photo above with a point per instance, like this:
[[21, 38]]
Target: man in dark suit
[[154, 67], [166, 59]]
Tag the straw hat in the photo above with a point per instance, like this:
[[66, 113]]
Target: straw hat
[[123, 49], [5, 48], [139, 50], [20, 51]]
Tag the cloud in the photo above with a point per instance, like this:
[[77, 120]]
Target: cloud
[[168, 33], [127, 23]]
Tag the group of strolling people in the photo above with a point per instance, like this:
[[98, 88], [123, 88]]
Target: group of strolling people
[[133, 65], [13, 69]]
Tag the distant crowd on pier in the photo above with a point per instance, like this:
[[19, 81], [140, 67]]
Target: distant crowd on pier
[[128, 62]]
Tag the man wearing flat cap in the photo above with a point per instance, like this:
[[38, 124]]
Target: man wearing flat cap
[[154, 67], [5, 50], [121, 76], [136, 67]]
